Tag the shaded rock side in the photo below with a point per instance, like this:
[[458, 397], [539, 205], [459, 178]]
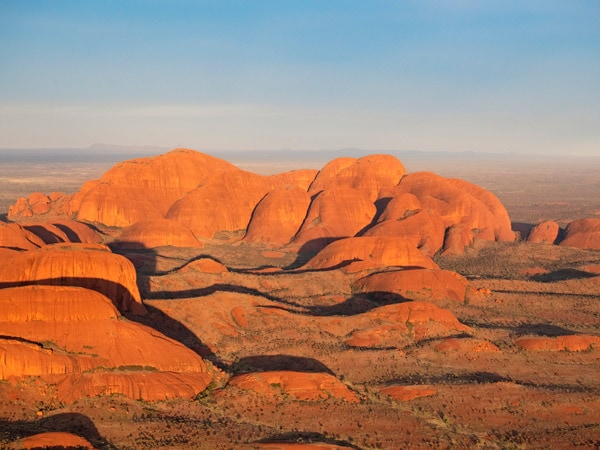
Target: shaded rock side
[[14, 236], [86, 265], [583, 233]]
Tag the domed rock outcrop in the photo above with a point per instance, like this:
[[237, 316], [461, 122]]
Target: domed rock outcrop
[[572, 343], [423, 229], [87, 265], [417, 284], [545, 233], [89, 348], [583, 233], [145, 188], [64, 230], [361, 253], [400, 324], [302, 385], [369, 174], [156, 233], [55, 439], [14, 236], [477, 211], [278, 216], [335, 213]]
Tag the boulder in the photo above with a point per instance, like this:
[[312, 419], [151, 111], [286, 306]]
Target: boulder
[[583, 234], [544, 233]]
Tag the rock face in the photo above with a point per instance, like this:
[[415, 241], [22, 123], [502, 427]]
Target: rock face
[[544, 233], [55, 439], [302, 385], [86, 265], [335, 213], [397, 325], [417, 284], [76, 338], [469, 209], [64, 230], [145, 188], [278, 216], [572, 343], [584, 234], [157, 233], [14, 236], [361, 253], [39, 204]]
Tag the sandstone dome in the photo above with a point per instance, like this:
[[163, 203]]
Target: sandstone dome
[[583, 233], [545, 233], [156, 233]]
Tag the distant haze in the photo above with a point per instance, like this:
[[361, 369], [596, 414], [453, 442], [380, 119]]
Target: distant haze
[[433, 75]]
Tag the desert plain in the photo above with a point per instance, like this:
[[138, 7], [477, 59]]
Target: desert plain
[[348, 301]]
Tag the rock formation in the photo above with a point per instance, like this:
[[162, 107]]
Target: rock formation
[[544, 233], [572, 343], [417, 284], [55, 439], [14, 236], [301, 385], [156, 233], [74, 264], [583, 233], [361, 253]]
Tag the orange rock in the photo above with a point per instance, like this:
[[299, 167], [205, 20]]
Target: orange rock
[[573, 343], [423, 229], [458, 237], [55, 439], [301, 178], [205, 265], [157, 233], [400, 206], [278, 216], [399, 324], [336, 212], [75, 264], [223, 202], [64, 230], [583, 233], [545, 233], [408, 393], [39, 203], [369, 174], [416, 284], [302, 385], [14, 236], [460, 203], [466, 345], [368, 253], [145, 188], [19, 210]]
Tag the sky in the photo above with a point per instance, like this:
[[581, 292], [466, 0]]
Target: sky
[[518, 76]]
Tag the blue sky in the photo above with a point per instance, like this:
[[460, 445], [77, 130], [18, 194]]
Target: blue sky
[[465, 75]]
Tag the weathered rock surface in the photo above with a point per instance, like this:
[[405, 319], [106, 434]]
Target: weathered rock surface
[[156, 233], [335, 213], [397, 325], [544, 233], [361, 253], [74, 264], [368, 174], [583, 233], [302, 385], [55, 439], [278, 216], [64, 230], [417, 284], [76, 338], [572, 343], [14, 236]]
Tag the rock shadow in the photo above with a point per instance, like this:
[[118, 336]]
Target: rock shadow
[[74, 423], [563, 275], [265, 363], [539, 329], [358, 304], [451, 378], [309, 249], [44, 234]]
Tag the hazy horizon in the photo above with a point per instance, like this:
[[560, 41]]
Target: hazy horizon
[[431, 76]]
